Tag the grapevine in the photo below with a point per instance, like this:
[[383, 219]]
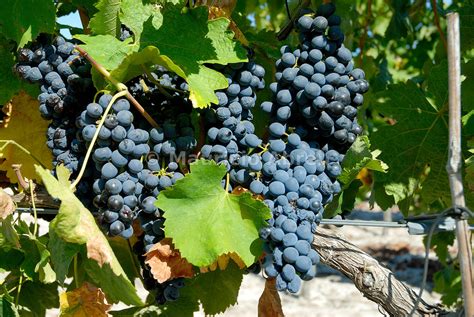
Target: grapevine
[[186, 144]]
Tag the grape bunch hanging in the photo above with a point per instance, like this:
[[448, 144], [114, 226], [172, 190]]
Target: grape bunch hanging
[[293, 167]]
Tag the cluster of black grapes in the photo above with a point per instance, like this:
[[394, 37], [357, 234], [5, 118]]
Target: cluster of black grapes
[[229, 126], [65, 83], [313, 123], [131, 161]]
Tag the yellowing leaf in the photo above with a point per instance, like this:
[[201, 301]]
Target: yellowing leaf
[[269, 304], [26, 127], [222, 262], [166, 262], [7, 207], [84, 301], [75, 224]]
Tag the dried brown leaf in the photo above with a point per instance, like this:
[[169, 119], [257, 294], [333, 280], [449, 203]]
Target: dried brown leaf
[[7, 206], [166, 262], [84, 301], [269, 304]]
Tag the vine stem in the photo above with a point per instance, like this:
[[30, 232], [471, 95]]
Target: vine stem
[[120, 87], [20, 283], [438, 25], [35, 214], [160, 86], [76, 274], [96, 136], [21, 148], [227, 182], [286, 30]]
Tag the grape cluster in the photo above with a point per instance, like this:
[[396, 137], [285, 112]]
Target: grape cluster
[[65, 84], [318, 90], [229, 123], [313, 123], [132, 164]]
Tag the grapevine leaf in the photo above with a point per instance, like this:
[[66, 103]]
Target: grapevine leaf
[[36, 263], [20, 110], [358, 157], [8, 235], [106, 20], [87, 5], [10, 260], [192, 43], [166, 263], [62, 254], [216, 290], [344, 201], [38, 297], [7, 308], [148, 311], [269, 304], [21, 23], [467, 86], [106, 49], [10, 83], [86, 300], [423, 129], [470, 168], [125, 257], [203, 84], [134, 64], [134, 13], [75, 224], [448, 283], [7, 207], [205, 221]]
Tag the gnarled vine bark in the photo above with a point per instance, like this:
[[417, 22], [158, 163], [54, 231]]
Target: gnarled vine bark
[[376, 282]]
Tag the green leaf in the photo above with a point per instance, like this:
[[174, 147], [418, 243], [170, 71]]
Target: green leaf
[[8, 236], [440, 242], [133, 65], [10, 260], [416, 142], [190, 44], [126, 257], [345, 201], [118, 288], [149, 311], [358, 157], [470, 167], [106, 20], [7, 308], [22, 21], [448, 283], [10, 83], [75, 224], [62, 254], [134, 13], [38, 297], [36, 259], [205, 221], [106, 49], [217, 290]]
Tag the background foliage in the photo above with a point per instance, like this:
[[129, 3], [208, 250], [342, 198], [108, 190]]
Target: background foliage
[[401, 45]]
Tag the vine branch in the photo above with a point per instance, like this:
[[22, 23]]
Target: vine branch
[[434, 6], [286, 30], [377, 283], [120, 87]]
